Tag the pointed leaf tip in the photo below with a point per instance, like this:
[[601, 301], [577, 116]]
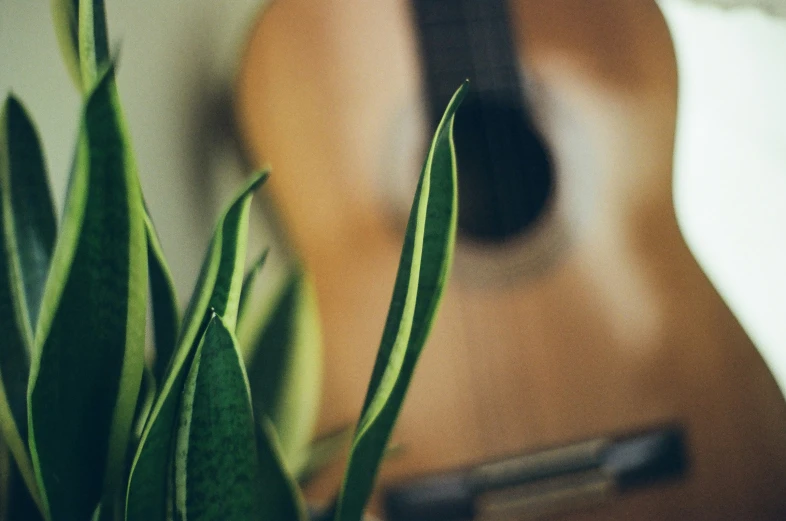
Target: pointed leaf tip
[[426, 259], [248, 285], [217, 292], [92, 321], [27, 234], [215, 479]]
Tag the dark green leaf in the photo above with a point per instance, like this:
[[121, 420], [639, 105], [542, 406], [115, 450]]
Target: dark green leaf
[[280, 496], [5, 470], [248, 284], [285, 366], [216, 471], [18, 503], [32, 211], [166, 317], [426, 258], [218, 289], [27, 230], [89, 355]]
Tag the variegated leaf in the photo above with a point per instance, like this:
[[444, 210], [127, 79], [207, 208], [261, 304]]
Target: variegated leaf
[[426, 259], [27, 229], [218, 289], [88, 361]]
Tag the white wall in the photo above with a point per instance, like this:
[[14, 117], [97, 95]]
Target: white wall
[[730, 164]]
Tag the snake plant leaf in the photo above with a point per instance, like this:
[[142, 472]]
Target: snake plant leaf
[[32, 211], [218, 288], [285, 369], [323, 451], [426, 259], [166, 319], [93, 45], [65, 14], [5, 478], [16, 502], [27, 233], [89, 343], [144, 404], [281, 498], [82, 34], [248, 284], [216, 469]]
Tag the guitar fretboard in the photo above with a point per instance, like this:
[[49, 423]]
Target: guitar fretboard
[[504, 169]]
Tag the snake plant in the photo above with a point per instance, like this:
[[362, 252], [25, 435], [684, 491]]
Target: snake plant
[[206, 429]]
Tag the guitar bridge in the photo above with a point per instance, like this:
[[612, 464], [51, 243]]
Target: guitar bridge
[[543, 483]]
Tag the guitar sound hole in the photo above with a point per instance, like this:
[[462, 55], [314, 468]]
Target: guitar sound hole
[[504, 170]]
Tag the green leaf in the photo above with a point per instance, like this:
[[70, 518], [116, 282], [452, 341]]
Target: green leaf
[[17, 503], [5, 471], [32, 217], [65, 14], [144, 404], [324, 451], [27, 230], [216, 471], [82, 34], [166, 319], [426, 258], [218, 288], [280, 496], [285, 369], [248, 284], [93, 45], [89, 355]]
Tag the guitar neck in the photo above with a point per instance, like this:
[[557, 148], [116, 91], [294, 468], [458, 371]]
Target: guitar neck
[[467, 39], [504, 168]]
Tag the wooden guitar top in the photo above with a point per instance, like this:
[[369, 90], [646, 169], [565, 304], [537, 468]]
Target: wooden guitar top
[[601, 321]]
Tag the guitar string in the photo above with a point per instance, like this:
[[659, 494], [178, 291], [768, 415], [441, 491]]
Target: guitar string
[[485, 42]]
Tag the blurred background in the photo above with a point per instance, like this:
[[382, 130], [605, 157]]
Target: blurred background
[[177, 66]]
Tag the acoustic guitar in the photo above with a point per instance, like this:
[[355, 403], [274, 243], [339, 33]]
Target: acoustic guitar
[[580, 351]]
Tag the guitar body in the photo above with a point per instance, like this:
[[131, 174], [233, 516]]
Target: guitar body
[[595, 320]]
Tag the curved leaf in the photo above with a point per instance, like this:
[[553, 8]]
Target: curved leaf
[[280, 496], [144, 404], [27, 230], [248, 284], [166, 319], [323, 451], [87, 366], [84, 52], [65, 14], [216, 471], [285, 369], [30, 203], [81, 32], [16, 503], [93, 45], [426, 258], [218, 288]]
